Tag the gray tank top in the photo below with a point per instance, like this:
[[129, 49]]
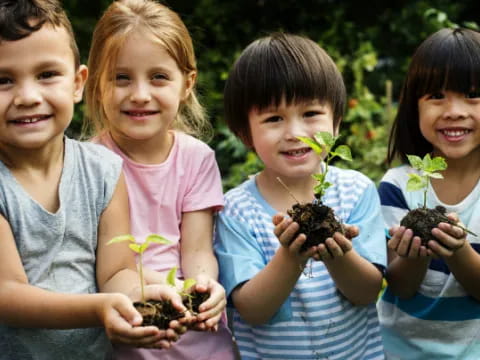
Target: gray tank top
[[58, 250]]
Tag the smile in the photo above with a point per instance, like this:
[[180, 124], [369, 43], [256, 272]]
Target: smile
[[297, 152], [140, 113], [30, 120], [455, 133]]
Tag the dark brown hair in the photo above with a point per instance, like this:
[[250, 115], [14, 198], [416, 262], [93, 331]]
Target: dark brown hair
[[20, 18], [281, 67], [448, 60]]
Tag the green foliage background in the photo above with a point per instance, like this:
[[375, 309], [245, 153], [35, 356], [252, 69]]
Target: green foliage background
[[371, 43]]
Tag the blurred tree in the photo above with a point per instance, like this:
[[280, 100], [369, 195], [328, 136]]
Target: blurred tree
[[370, 42]]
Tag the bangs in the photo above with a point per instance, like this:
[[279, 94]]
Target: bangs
[[447, 63], [277, 70]]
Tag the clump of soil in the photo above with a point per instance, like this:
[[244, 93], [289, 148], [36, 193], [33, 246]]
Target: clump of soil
[[422, 220], [157, 313], [193, 300], [317, 222]]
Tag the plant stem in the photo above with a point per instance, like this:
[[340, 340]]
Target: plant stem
[[425, 195], [288, 190], [140, 271]]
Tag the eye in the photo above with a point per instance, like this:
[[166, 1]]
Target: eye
[[160, 76], [435, 96], [272, 119], [48, 74], [122, 79], [312, 113], [473, 94], [5, 81]]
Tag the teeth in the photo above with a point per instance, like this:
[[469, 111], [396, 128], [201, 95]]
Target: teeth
[[454, 133], [29, 120], [139, 114], [297, 152]]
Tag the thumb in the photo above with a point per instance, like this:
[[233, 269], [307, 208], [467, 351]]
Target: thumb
[[278, 218], [127, 311]]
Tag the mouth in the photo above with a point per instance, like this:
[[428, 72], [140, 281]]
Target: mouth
[[138, 113], [29, 119], [296, 152], [456, 134]]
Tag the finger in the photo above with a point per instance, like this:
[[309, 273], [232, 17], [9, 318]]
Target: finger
[[342, 241], [439, 250], [350, 231], [288, 235], [453, 217], [281, 226], [414, 250], [296, 245], [452, 230], [211, 313], [139, 336], [404, 244], [333, 248], [396, 234], [323, 252], [278, 218], [447, 241]]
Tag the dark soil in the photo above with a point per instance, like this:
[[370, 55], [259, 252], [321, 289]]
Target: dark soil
[[317, 222], [157, 313], [193, 300], [423, 220]]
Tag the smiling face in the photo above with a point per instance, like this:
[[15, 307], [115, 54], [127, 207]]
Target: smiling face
[[274, 131], [147, 91], [450, 121], [38, 88]]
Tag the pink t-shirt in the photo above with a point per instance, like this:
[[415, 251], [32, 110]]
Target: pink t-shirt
[[188, 180]]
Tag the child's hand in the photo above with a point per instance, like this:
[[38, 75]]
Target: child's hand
[[212, 309], [122, 324], [448, 238], [335, 247], [285, 230], [404, 244]]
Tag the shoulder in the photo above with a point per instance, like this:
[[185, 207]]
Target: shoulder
[[192, 146], [240, 201], [94, 153]]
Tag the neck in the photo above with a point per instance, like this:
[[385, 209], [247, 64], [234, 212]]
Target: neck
[[149, 151], [25, 160]]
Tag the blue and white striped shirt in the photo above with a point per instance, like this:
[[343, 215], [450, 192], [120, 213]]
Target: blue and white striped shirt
[[441, 321], [316, 321]]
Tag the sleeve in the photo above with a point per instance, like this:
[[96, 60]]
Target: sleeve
[[206, 189], [370, 243], [392, 198], [240, 258]]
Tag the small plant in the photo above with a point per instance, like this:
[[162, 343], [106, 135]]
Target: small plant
[[158, 313], [317, 221], [191, 299], [422, 220]]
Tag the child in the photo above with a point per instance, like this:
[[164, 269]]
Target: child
[[141, 101], [430, 309], [59, 204], [281, 87]]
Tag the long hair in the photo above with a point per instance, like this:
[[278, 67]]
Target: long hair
[[448, 60], [120, 20]]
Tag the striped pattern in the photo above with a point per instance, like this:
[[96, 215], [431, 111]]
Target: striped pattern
[[441, 321], [316, 322]]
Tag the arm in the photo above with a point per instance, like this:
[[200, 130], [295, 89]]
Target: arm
[[460, 257], [408, 262], [258, 299], [199, 262]]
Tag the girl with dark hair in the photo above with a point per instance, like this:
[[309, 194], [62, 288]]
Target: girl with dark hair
[[430, 309]]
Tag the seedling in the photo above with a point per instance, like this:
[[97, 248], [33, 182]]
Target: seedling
[[191, 300], [140, 249], [429, 170], [322, 143], [423, 220], [317, 221]]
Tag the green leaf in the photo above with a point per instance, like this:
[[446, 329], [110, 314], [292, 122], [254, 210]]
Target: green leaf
[[319, 177], [158, 239], [171, 276], [438, 164], [343, 152], [415, 161], [427, 162], [121, 238], [416, 182], [434, 175], [135, 247], [143, 247], [318, 189], [312, 144], [188, 283], [325, 138], [326, 185]]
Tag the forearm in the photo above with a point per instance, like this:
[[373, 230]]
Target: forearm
[[23, 305], [356, 278], [465, 266], [404, 275], [125, 281], [198, 263], [261, 297]]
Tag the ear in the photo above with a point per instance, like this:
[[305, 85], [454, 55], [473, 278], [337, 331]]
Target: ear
[[190, 79], [81, 76]]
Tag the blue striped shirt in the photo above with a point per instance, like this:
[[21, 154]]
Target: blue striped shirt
[[316, 321], [441, 321]]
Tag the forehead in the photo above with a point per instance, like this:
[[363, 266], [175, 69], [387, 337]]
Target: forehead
[[47, 45]]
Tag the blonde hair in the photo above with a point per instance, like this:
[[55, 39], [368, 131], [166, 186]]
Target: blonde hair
[[120, 20]]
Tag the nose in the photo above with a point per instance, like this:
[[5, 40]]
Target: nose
[[294, 127], [27, 95], [140, 94], [455, 108]]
